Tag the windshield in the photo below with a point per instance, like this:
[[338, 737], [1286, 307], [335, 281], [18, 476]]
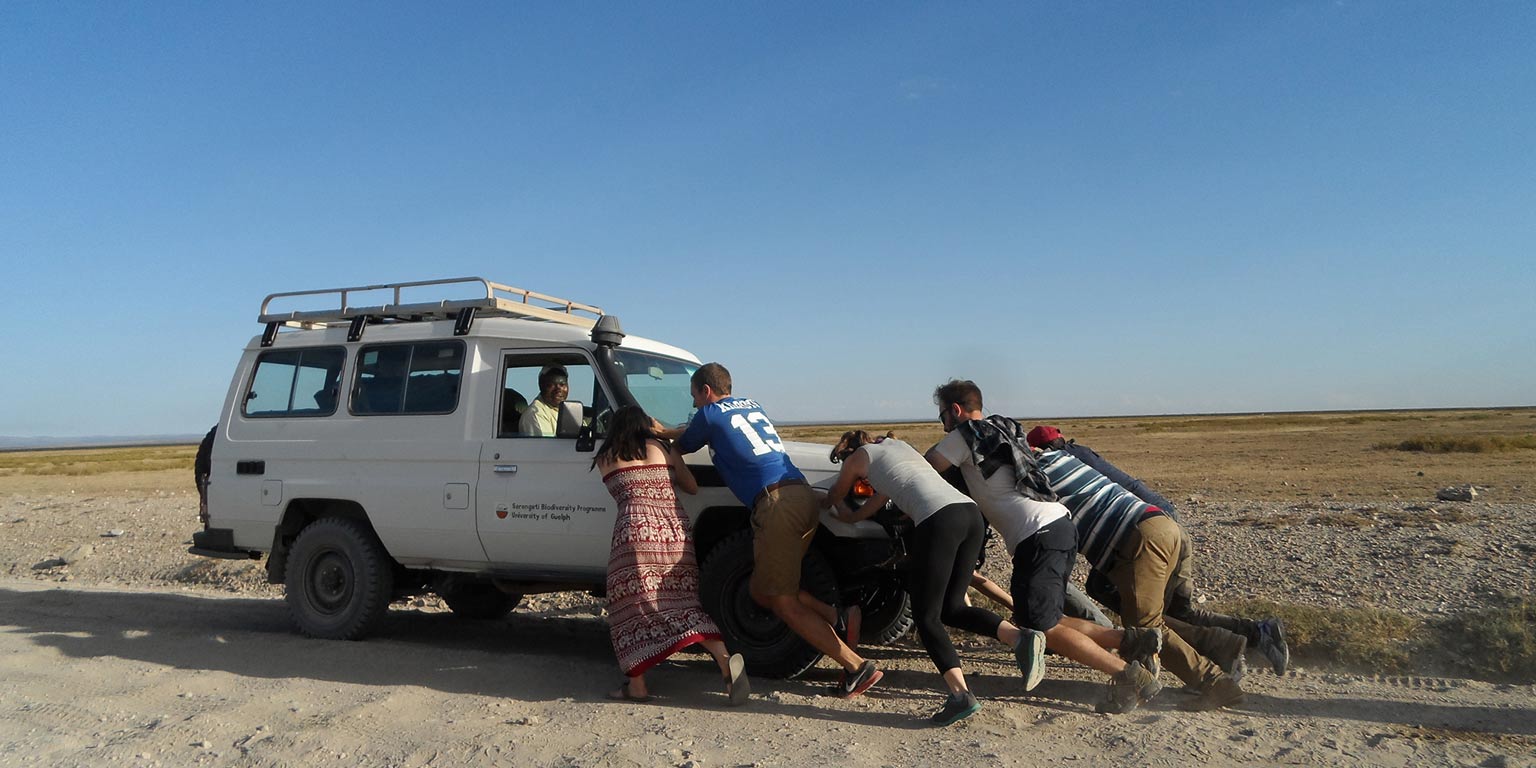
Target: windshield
[[659, 385]]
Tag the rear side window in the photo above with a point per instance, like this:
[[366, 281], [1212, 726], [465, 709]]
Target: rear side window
[[408, 378], [295, 382]]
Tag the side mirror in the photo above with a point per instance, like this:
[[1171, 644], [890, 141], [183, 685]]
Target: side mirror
[[569, 422]]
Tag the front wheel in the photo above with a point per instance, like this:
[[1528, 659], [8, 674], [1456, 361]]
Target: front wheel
[[770, 647], [339, 580], [887, 614]]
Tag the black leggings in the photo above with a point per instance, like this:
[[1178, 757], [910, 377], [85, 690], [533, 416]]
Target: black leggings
[[944, 552]]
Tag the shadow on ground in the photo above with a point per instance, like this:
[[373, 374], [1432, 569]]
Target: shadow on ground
[[548, 657]]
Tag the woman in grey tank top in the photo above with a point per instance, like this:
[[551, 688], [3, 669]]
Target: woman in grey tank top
[[945, 543]]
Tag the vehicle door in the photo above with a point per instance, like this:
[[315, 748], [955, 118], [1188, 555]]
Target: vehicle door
[[541, 509]]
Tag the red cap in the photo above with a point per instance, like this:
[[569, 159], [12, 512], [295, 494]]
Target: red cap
[[1041, 436]]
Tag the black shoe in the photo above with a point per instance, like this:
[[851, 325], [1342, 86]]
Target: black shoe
[[860, 681], [957, 707], [1272, 644]]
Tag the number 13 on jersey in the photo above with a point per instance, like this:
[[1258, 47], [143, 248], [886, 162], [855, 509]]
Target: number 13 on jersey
[[758, 431]]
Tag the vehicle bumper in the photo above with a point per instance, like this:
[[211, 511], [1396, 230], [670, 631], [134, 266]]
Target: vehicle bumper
[[220, 543]]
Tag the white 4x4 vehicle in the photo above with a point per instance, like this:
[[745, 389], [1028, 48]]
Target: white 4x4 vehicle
[[374, 452]]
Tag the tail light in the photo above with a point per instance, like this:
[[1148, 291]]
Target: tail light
[[863, 490]]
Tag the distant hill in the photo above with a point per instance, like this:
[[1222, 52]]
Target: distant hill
[[8, 443]]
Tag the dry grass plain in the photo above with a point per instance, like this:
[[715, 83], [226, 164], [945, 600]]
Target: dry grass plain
[[1293, 456]]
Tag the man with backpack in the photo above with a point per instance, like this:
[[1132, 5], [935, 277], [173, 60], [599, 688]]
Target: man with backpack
[[1014, 496]]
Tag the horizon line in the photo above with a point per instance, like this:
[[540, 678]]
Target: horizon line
[[11, 443]]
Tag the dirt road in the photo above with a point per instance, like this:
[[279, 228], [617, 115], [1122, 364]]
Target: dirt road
[[92, 675], [117, 647]]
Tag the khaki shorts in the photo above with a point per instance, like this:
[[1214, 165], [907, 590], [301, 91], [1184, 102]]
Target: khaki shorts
[[783, 523]]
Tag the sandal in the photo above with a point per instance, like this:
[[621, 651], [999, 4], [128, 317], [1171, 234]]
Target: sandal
[[737, 686], [623, 694]]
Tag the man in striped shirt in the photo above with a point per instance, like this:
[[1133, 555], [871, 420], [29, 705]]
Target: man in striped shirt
[[1267, 636], [1145, 553]]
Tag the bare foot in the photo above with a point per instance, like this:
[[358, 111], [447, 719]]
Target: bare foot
[[628, 691]]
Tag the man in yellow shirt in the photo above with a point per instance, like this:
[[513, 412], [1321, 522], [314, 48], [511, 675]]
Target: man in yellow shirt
[[543, 414]]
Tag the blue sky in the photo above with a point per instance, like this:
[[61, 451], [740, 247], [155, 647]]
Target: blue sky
[[1088, 208]]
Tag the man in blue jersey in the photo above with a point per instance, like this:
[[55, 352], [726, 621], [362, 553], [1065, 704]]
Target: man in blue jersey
[[785, 512], [1267, 636]]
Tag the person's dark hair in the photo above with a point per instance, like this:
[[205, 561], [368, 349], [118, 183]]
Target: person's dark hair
[[963, 392], [715, 375], [1059, 444], [851, 441], [548, 375], [628, 432]]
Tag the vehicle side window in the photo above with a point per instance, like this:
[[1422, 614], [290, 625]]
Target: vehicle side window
[[421, 377], [295, 382], [531, 410]]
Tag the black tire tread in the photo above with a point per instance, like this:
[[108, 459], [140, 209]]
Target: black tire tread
[[373, 577], [730, 561]]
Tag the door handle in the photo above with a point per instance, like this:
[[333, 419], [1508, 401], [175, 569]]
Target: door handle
[[506, 469]]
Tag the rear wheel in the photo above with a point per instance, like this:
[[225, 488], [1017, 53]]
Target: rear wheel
[[339, 580], [887, 614], [479, 601], [770, 647]]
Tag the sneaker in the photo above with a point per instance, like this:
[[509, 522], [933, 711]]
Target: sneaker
[[1272, 644], [1030, 653], [1129, 689], [1219, 692], [1143, 644], [860, 681], [1231, 659], [957, 707]]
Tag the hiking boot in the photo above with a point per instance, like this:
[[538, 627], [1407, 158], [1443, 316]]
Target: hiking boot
[[1129, 689], [1219, 692], [860, 681], [1272, 644], [1030, 654], [1143, 644], [1231, 659], [957, 707]]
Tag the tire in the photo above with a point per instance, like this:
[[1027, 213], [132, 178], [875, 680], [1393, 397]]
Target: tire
[[770, 647], [887, 614], [479, 602], [339, 580]]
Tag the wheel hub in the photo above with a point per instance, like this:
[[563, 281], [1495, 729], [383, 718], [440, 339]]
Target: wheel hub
[[330, 582]]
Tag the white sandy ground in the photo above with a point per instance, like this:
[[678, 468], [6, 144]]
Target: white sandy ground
[[96, 676], [128, 657]]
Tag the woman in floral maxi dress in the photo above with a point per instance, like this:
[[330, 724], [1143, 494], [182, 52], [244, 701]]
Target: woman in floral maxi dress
[[653, 577]]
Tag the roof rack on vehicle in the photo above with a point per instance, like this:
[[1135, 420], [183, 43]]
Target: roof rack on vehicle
[[498, 301]]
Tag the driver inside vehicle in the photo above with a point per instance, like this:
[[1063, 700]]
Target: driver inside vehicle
[[542, 416]]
